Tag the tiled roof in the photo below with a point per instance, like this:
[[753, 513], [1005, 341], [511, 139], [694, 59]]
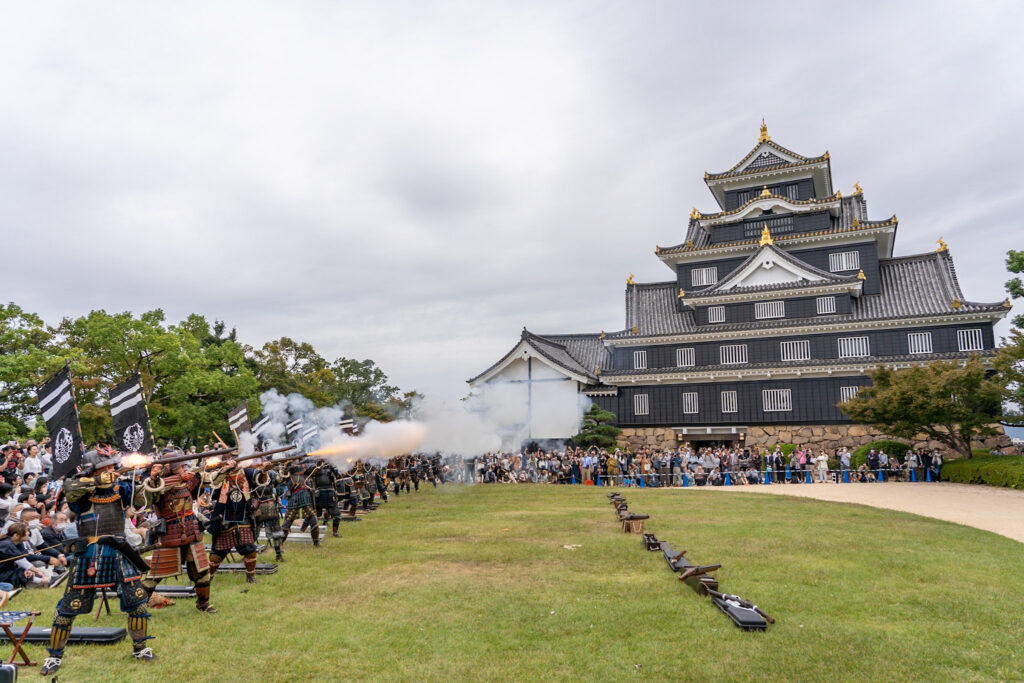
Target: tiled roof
[[912, 286], [581, 354], [826, 278], [853, 216], [801, 161]]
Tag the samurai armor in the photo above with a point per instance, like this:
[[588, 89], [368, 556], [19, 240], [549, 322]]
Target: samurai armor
[[300, 498], [166, 561], [106, 518], [233, 537], [326, 498], [102, 566], [266, 510]]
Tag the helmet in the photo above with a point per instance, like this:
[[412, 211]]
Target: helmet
[[94, 460]]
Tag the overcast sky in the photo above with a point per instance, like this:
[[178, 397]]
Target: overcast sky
[[413, 182]]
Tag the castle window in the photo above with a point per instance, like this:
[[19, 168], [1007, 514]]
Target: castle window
[[919, 342], [970, 340], [640, 404], [795, 350], [685, 357], [769, 309], [733, 354], [690, 403], [728, 401], [847, 393], [793, 192], [854, 347], [639, 360], [826, 305], [716, 314], [777, 400], [701, 277], [844, 260]]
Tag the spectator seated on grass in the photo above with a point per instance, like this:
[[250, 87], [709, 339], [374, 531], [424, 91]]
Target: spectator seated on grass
[[700, 477], [715, 478], [752, 476], [17, 560]]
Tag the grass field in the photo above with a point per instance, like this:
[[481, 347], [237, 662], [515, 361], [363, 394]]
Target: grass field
[[473, 583]]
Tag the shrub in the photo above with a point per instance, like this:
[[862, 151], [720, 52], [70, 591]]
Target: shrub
[[890, 446], [993, 470], [786, 448]]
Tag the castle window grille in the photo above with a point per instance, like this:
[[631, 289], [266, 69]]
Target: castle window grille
[[795, 350], [777, 400], [970, 340], [729, 402], [766, 159], [716, 314], [640, 406], [919, 342], [826, 305], [854, 347], [843, 261], [702, 277], [639, 360], [769, 309], [847, 393], [690, 403], [685, 358], [733, 354]]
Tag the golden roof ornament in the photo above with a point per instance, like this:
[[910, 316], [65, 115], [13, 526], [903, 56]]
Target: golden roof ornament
[[635, 330], [689, 243], [839, 195], [766, 192], [681, 294], [657, 250], [764, 137], [857, 189], [695, 214], [1007, 303], [598, 371], [942, 245], [856, 223], [825, 155], [630, 280], [601, 336], [766, 236], [956, 304], [861, 275]]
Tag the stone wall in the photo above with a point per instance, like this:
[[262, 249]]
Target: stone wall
[[829, 437]]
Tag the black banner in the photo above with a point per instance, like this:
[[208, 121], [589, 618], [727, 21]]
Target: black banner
[[57, 406], [261, 423], [238, 419], [131, 421]]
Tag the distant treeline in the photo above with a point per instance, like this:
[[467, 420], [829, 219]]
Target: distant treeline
[[192, 372]]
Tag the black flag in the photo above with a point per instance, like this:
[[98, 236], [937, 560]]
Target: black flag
[[258, 425], [311, 437], [57, 406], [131, 421], [238, 419], [347, 425]]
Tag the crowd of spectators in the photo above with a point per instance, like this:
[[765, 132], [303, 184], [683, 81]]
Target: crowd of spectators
[[686, 466]]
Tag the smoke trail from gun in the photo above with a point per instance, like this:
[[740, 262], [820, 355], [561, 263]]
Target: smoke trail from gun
[[378, 443]]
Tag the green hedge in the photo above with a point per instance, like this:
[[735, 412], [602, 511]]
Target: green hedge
[[994, 470], [890, 446]]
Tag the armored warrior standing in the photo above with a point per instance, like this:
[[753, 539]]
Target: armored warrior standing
[[232, 520], [180, 539], [324, 478], [268, 509], [300, 503], [103, 558]]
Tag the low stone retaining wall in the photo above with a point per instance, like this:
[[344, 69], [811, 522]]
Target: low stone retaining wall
[[829, 437]]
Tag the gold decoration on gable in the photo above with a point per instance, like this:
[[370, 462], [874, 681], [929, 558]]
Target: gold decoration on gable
[[681, 294], [942, 245], [857, 189], [956, 304], [766, 192], [766, 236], [764, 137], [861, 276], [630, 280]]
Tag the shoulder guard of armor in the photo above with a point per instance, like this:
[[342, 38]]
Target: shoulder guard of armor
[[76, 489]]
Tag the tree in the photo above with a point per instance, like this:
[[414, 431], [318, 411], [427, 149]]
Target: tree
[[190, 375], [1009, 362], [597, 429], [26, 359], [948, 402]]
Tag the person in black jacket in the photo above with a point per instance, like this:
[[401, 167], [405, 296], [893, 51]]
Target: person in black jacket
[[16, 561]]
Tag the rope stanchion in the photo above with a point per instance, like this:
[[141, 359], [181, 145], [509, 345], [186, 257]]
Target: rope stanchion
[[728, 481], [807, 477], [846, 476], [928, 474], [881, 475]]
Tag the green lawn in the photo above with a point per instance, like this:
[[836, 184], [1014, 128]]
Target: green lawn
[[473, 583]]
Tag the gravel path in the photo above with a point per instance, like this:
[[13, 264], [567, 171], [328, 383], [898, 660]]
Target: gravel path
[[985, 507]]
